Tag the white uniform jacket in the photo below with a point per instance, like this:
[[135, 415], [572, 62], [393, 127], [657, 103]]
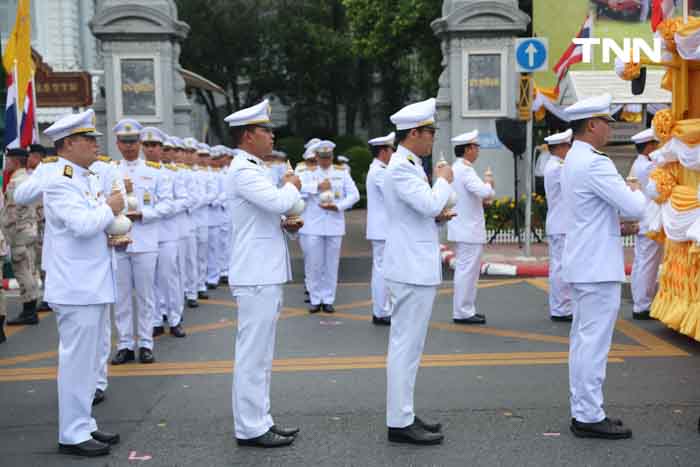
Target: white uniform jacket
[[376, 211], [469, 225], [412, 252], [595, 195], [168, 225], [79, 270], [207, 194], [259, 253], [556, 209], [30, 190], [318, 221], [155, 198]]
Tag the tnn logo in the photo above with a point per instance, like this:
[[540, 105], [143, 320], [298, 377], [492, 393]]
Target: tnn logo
[[630, 48]]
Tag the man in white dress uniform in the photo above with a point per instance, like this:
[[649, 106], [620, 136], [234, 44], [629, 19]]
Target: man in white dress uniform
[[468, 229], [80, 282], [382, 148], [556, 224], [324, 226], [257, 207], [596, 196], [412, 265], [647, 252]]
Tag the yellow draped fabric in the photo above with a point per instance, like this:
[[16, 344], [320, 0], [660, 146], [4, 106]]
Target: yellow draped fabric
[[677, 303]]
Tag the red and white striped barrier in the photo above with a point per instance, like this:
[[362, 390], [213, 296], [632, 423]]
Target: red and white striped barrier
[[531, 269]]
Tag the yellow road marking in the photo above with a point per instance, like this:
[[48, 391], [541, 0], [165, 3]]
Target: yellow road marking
[[311, 364], [12, 330]]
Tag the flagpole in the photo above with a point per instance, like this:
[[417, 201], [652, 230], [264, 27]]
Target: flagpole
[[35, 136], [685, 11], [18, 112]]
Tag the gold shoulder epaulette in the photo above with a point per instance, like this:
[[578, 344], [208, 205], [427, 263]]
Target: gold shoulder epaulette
[[49, 159], [104, 158], [172, 167], [155, 165]]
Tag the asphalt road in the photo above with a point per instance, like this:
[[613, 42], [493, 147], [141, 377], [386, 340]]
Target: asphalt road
[[500, 391]]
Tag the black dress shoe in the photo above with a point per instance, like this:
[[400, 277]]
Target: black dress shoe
[[328, 308], [307, 300], [146, 355], [177, 331], [568, 318], [89, 448], [414, 434], [223, 280], [605, 429], [43, 306], [476, 319], [192, 303], [158, 331], [98, 398], [123, 356], [105, 437], [642, 315], [384, 321], [267, 440], [282, 431], [212, 286], [202, 296], [431, 427], [315, 308], [25, 317]]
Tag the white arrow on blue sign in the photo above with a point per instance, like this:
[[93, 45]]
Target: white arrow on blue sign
[[531, 54]]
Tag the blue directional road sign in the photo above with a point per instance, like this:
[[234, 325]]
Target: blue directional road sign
[[531, 54]]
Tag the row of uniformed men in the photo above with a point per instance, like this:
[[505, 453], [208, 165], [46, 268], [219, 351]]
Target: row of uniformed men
[[178, 247], [647, 252]]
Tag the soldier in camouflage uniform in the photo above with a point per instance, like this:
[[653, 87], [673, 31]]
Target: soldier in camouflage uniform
[[37, 152], [19, 226]]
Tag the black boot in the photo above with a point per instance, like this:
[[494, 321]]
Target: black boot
[[43, 306], [27, 316], [3, 338]]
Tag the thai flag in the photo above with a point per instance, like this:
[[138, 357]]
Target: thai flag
[[11, 133], [28, 134], [574, 54], [660, 10]]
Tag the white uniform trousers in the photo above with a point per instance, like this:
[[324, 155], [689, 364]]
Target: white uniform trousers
[[225, 253], [202, 257], [191, 275], [182, 269], [324, 258], [413, 305], [596, 306], [258, 311], [213, 251], [559, 291], [304, 246], [645, 269], [381, 307], [80, 329], [466, 277], [167, 285], [105, 350], [135, 272]]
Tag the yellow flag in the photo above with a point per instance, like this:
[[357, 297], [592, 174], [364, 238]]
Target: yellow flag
[[19, 48]]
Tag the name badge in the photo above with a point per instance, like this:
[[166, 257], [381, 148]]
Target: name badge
[[147, 198]]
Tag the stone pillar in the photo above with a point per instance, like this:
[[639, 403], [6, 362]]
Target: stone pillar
[[478, 55], [140, 50]]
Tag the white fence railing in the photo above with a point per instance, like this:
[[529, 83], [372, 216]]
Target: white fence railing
[[506, 236]]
